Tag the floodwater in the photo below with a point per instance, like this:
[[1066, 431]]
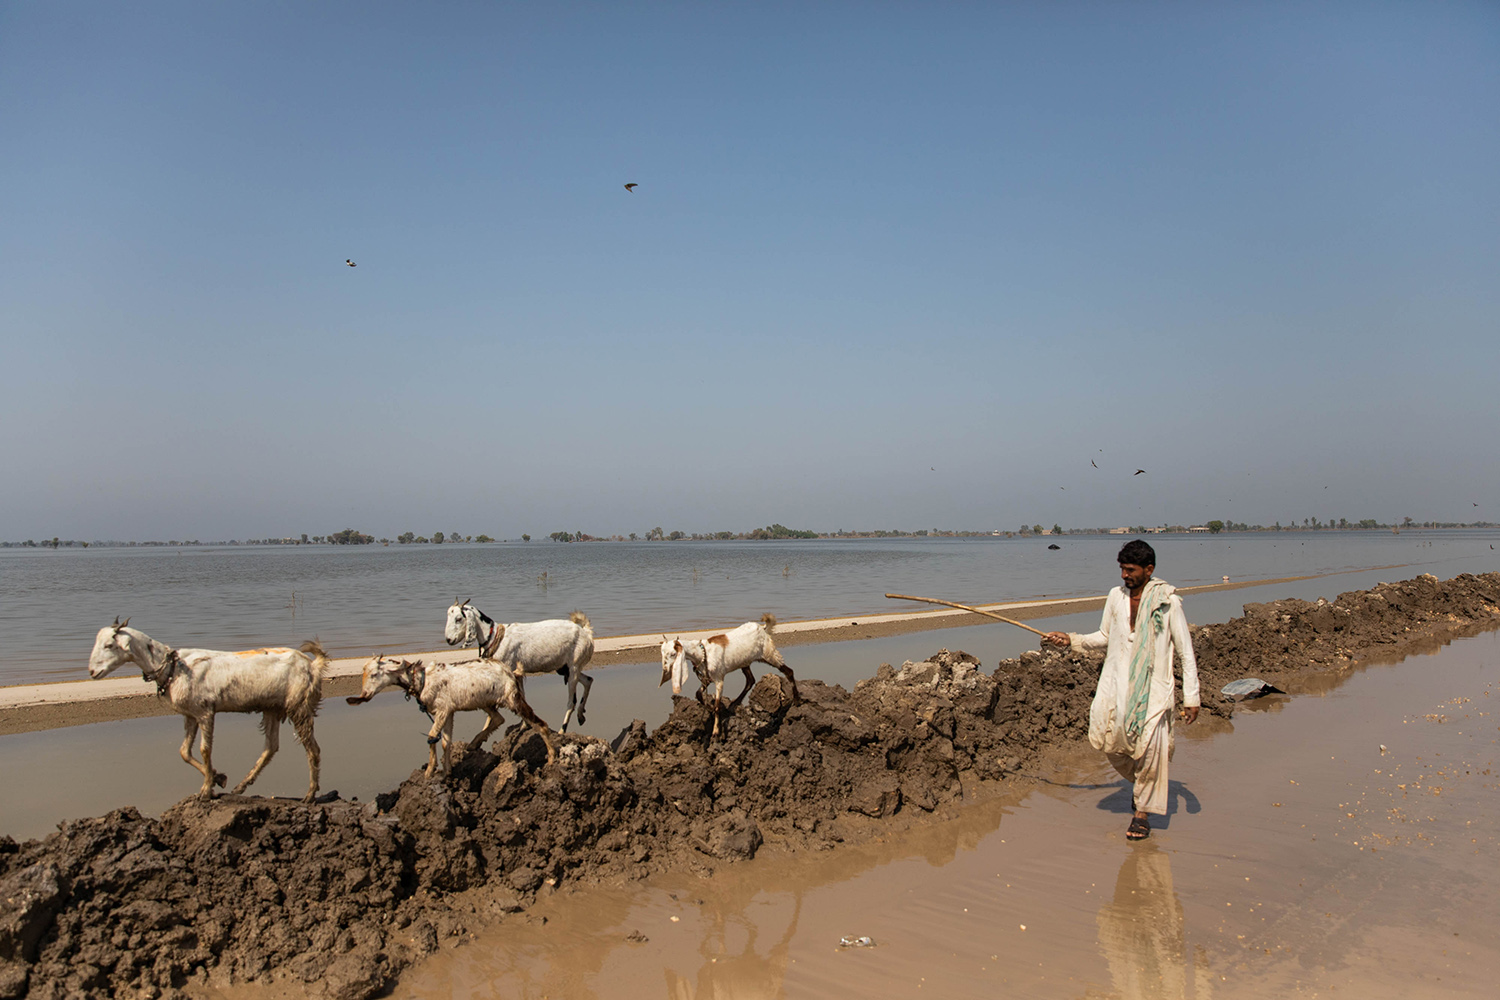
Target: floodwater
[[360, 600], [1298, 859], [53, 775]]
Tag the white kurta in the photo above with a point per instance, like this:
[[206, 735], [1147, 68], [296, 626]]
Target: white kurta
[[1145, 761]]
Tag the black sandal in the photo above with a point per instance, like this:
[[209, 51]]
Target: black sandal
[[1139, 829]]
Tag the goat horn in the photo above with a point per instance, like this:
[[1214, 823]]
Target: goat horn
[[125, 623]]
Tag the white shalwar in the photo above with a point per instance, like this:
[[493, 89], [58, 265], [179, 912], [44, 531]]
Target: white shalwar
[[1144, 760]]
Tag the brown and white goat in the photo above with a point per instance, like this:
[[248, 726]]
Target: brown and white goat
[[718, 656], [443, 689]]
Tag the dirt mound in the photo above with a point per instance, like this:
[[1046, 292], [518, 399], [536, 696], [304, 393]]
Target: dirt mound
[[1282, 639], [344, 896]]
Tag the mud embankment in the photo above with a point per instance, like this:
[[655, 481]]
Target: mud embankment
[[343, 896]]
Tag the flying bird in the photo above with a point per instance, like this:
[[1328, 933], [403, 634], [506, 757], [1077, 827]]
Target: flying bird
[[1093, 463], [1138, 472], [631, 187], [350, 262]]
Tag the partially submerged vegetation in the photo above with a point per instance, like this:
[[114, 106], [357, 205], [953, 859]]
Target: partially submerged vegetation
[[350, 536]]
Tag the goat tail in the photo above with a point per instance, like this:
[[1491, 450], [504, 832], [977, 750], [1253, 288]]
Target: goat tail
[[580, 619], [304, 701], [314, 648], [769, 621]]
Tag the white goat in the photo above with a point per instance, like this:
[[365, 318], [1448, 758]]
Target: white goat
[[718, 656], [278, 683], [554, 645], [444, 689]]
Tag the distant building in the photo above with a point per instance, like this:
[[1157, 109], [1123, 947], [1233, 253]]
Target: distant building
[[1119, 531]]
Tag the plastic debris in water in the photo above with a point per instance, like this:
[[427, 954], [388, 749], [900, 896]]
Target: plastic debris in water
[[1249, 687], [856, 942]]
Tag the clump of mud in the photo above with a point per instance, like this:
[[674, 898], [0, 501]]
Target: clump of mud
[[1282, 639], [343, 896]]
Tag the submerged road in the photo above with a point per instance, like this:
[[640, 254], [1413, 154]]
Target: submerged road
[[28, 708]]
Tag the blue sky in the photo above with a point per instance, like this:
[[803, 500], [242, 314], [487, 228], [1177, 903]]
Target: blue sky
[[888, 265]]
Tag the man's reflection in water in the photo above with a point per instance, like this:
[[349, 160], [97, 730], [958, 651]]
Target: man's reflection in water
[[1141, 932], [748, 974]]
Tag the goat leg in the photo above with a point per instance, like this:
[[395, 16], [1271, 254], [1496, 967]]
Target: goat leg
[[304, 727], [448, 746], [749, 682], [206, 750], [190, 727], [496, 720], [523, 708], [433, 735], [572, 700], [796, 696], [718, 706], [270, 724], [588, 685]]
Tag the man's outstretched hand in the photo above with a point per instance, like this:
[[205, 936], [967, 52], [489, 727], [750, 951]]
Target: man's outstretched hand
[[1058, 639]]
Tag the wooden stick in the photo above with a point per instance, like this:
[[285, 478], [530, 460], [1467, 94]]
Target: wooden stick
[[965, 607]]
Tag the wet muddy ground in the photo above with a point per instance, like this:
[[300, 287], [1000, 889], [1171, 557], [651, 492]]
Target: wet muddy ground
[[1298, 860], [342, 899]]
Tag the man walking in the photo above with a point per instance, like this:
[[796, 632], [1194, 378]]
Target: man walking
[[1131, 717]]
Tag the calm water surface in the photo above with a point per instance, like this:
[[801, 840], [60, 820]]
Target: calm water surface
[[365, 599]]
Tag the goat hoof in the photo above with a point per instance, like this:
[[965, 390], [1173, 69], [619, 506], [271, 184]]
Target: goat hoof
[[221, 779]]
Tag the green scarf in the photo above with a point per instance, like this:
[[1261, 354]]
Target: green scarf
[[1150, 621]]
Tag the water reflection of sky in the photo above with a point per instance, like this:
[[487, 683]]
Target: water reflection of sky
[[365, 599]]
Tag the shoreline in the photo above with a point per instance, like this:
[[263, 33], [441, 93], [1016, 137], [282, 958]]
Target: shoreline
[[29, 708], [260, 889]]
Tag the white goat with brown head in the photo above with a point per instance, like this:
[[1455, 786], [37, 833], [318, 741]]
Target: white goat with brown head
[[444, 689], [278, 683], [718, 656], [556, 646]]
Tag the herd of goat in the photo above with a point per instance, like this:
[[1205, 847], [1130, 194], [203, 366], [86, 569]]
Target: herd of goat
[[287, 684]]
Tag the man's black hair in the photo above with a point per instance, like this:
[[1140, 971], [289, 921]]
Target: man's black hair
[[1136, 553]]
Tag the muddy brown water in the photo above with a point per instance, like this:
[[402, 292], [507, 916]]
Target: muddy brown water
[[1297, 859]]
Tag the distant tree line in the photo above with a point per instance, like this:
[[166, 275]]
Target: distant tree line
[[351, 536]]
